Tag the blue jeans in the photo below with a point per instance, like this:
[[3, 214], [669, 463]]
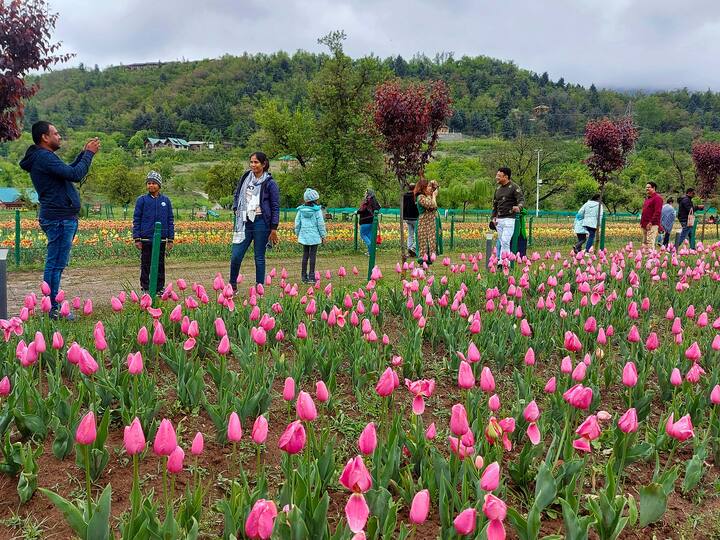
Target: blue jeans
[[365, 232], [684, 233], [60, 234], [258, 232], [591, 237], [411, 227]]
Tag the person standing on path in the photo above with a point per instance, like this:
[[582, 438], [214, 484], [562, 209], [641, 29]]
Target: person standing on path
[[150, 208], [311, 232], [410, 217], [588, 213], [686, 209], [651, 212], [59, 200], [256, 205], [507, 201], [366, 213], [667, 219], [426, 195]]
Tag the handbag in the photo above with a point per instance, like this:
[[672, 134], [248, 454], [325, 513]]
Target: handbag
[[691, 218]]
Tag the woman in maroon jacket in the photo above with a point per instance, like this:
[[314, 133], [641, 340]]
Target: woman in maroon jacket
[[650, 217]]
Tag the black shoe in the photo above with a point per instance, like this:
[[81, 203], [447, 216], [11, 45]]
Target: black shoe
[[411, 253]]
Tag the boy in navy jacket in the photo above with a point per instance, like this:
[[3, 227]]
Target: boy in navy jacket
[[150, 208]]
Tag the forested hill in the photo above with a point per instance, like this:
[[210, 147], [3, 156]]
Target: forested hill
[[215, 99]]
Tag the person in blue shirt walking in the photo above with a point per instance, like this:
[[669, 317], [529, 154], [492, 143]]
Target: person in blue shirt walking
[[311, 232], [59, 200], [667, 220], [149, 208]]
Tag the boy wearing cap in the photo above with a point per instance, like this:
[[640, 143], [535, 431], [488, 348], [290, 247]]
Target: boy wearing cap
[[150, 208], [310, 230]]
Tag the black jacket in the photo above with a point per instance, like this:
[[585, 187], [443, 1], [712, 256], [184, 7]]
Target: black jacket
[[367, 209], [410, 210], [685, 204]]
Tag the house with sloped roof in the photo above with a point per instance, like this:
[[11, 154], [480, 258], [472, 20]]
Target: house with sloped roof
[[12, 198], [152, 143]]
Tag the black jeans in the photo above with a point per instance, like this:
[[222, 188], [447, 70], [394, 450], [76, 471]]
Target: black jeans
[[581, 240], [145, 259], [309, 255]]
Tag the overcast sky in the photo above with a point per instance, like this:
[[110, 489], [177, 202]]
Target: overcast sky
[[612, 43]]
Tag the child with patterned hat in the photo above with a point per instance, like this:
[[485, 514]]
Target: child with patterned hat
[[311, 232]]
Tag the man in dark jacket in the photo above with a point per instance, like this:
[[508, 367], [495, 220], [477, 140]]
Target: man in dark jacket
[[59, 201], [685, 208], [507, 201], [410, 216], [151, 208], [651, 213]]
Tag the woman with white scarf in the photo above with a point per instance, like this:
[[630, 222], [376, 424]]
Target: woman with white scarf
[[256, 204]]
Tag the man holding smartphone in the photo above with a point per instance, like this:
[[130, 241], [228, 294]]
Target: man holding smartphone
[[507, 202], [59, 200]]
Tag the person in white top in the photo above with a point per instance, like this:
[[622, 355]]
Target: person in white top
[[588, 214]]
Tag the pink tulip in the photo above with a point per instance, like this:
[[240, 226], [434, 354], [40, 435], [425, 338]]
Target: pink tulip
[[473, 354], [714, 395], [589, 429], [581, 445], [566, 365], [116, 304], [198, 444], [525, 329], [88, 307], [494, 403], [45, 288], [176, 314], [652, 342], [675, 377], [321, 392], [490, 479], [234, 428], [293, 438], [259, 336], [175, 460], [357, 512], [305, 407], [386, 385], [676, 326], [716, 343], [289, 389], [551, 385], [142, 336], [590, 325], [692, 353], [87, 364], [134, 438], [74, 353], [495, 510], [458, 420], [220, 330], [368, 439], [159, 337], [261, 520], [5, 386], [224, 346], [572, 342], [135, 363], [629, 375], [165, 439], [531, 412], [40, 345], [420, 507], [260, 430], [579, 396], [431, 431], [628, 422], [100, 343], [466, 379], [681, 430], [86, 432], [578, 373], [355, 476], [633, 334], [465, 522], [487, 381]]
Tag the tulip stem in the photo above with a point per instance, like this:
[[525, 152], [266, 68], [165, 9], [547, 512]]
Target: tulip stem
[[670, 458], [88, 487], [136, 488], [135, 396], [165, 490]]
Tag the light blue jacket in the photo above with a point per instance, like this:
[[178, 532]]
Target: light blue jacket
[[589, 214], [310, 224], [578, 227]]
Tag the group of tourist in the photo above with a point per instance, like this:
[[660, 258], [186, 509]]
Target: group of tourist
[[256, 208]]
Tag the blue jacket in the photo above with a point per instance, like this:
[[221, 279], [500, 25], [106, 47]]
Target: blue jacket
[[310, 224], [53, 180], [148, 210], [269, 200]]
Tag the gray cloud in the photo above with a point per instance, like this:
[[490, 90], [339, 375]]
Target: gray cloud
[[612, 43]]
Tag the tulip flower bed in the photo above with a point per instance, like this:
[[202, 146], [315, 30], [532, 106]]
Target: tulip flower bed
[[559, 397]]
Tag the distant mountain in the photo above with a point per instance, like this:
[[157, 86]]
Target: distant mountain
[[215, 99]]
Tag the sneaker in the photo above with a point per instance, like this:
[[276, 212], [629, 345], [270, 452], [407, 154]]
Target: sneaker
[[411, 253]]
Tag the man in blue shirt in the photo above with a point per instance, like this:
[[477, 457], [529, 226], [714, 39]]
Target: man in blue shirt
[[150, 208], [59, 201]]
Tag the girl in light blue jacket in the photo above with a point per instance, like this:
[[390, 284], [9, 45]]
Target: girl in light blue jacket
[[588, 213], [311, 232]]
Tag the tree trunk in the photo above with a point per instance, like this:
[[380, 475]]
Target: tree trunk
[[403, 253], [702, 234], [599, 218]]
